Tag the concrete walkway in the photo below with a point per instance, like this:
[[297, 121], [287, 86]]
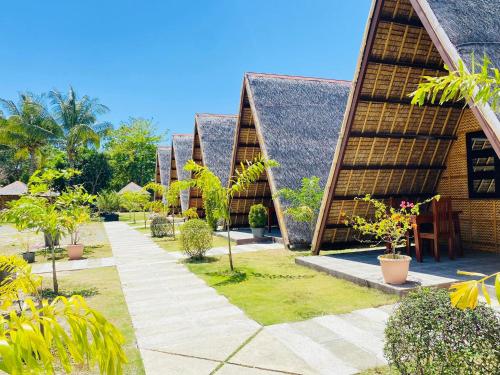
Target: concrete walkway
[[74, 265], [235, 249], [183, 326]]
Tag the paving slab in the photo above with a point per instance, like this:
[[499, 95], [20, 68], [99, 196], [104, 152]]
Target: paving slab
[[74, 265], [229, 369], [155, 286]]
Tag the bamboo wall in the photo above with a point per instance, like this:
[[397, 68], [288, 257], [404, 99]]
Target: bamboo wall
[[195, 195], [480, 218]]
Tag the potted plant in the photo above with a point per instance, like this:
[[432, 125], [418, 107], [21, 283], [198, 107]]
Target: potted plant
[[73, 205], [388, 225], [257, 218], [27, 254]]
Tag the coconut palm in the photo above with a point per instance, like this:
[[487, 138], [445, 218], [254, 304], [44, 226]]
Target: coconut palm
[[28, 128], [77, 118]]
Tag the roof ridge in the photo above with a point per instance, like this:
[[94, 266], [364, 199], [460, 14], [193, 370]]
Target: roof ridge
[[182, 135], [286, 76], [214, 114]]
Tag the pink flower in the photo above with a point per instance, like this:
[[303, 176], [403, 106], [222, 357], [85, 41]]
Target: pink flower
[[403, 204]]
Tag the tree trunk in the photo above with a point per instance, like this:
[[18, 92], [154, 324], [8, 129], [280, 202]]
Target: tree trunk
[[33, 161], [228, 222], [54, 273], [145, 220]]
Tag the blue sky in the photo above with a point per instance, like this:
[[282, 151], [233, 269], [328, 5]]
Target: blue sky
[[167, 60]]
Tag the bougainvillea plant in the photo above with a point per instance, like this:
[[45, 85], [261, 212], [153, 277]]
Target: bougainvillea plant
[[388, 224]]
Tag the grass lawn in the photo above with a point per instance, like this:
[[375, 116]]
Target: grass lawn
[[92, 235], [272, 289], [170, 244], [109, 301], [383, 370]]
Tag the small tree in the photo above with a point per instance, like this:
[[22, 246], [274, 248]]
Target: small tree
[[210, 185], [481, 85], [40, 333], [134, 201], [304, 202], [74, 206]]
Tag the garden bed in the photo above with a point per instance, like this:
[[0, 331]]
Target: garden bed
[[271, 288]]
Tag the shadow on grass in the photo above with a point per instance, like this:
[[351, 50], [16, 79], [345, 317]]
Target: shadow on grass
[[201, 260], [84, 292], [233, 277]]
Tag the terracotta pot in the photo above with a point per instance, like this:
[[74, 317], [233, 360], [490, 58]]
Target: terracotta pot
[[75, 251], [394, 270]]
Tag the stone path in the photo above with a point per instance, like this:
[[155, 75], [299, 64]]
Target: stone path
[[183, 326], [73, 265]]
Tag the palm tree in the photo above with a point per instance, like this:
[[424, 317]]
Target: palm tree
[[28, 129], [78, 121]]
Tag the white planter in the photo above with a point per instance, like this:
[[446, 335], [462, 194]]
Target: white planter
[[258, 232]]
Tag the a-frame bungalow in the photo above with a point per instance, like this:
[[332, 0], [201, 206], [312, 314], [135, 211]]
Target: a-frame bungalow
[[163, 163], [213, 148], [182, 149], [295, 121], [389, 148]]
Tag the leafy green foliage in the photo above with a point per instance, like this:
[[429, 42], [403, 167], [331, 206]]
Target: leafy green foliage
[[211, 187], [481, 85], [196, 238], [134, 201], [305, 202], [39, 334], [465, 294], [108, 201], [95, 170], [257, 218], [190, 213], [426, 335], [77, 119], [74, 206], [29, 129], [388, 225], [132, 152]]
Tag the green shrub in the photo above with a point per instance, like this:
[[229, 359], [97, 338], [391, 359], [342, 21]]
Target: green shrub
[[190, 213], [108, 201], [426, 335], [160, 226], [196, 238], [210, 205], [257, 218]]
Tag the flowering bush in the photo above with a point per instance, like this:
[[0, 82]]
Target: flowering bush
[[389, 224]]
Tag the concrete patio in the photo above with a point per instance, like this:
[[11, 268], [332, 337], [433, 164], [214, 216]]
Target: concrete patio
[[244, 236], [362, 267]]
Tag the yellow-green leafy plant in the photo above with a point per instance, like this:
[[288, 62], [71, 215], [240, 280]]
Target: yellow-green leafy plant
[[388, 225], [481, 84], [74, 206], [210, 185], [196, 238], [190, 213], [42, 337], [464, 294], [134, 201]]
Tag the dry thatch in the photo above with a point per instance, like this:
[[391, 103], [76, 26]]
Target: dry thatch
[[16, 188], [130, 187], [213, 147], [389, 148], [182, 146], [163, 156], [287, 119]]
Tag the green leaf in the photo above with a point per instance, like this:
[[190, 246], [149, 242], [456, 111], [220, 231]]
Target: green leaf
[[466, 273], [485, 293], [497, 286]]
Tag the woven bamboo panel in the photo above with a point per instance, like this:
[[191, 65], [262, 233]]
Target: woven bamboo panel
[[398, 8]]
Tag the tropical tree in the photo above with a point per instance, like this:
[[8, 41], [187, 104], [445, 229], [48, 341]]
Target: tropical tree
[[78, 119], [304, 202], [481, 85], [134, 201], [29, 129], [38, 335], [212, 188], [132, 152]]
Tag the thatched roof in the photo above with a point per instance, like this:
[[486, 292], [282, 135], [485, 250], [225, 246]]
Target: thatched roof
[[295, 121], [389, 148], [216, 136], [131, 186], [182, 146], [14, 189], [163, 156]]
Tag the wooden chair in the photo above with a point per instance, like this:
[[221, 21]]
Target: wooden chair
[[443, 227]]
